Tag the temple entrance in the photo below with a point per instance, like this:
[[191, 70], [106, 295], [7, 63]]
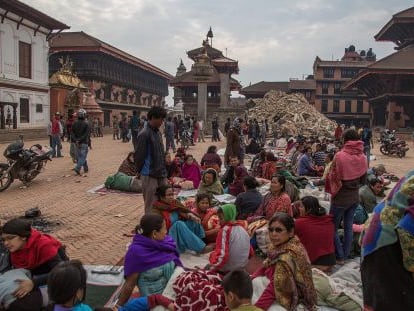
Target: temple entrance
[[8, 115]]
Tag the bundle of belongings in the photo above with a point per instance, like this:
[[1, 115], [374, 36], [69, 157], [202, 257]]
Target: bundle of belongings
[[123, 182]]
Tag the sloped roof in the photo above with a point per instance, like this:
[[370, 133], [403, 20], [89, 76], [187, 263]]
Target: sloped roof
[[31, 14], [189, 78], [400, 25], [343, 63], [264, 87], [211, 52], [81, 41], [308, 84]]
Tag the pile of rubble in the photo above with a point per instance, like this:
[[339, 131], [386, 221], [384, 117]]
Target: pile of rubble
[[292, 113]]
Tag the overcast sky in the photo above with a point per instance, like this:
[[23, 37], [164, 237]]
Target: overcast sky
[[273, 40]]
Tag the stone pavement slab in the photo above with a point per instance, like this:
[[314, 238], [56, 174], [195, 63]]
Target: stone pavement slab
[[91, 225]]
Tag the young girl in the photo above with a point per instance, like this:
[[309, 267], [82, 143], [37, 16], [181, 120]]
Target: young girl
[[208, 216], [232, 244], [191, 170]]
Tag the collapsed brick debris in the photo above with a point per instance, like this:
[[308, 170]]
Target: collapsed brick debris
[[292, 113]]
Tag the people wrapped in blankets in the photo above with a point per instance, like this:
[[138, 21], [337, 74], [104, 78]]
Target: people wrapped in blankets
[[208, 215], [172, 166], [287, 267], [150, 260], [191, 170], [233, 177], [387, 251], [182, 224], [269, 166], [232, 244], [32, 253], [210, 183], [249, 201]]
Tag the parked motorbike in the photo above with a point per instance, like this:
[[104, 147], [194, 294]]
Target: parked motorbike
[[391, 147], [23, 164]]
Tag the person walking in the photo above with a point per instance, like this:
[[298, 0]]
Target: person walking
[[201, 130], [366, 137], [214, 128], [81, 137], [134, 126], [169, 133], [115, 128], [56, 132], [150, 156]]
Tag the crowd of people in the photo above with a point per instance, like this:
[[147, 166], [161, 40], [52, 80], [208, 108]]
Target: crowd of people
[[301, 234]]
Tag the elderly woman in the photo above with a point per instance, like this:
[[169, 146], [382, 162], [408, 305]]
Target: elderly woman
[[150, 260], [346, 176], [316, 231], [277, 200], [287, 267], [181, 223], [36, 252], [210, 183]]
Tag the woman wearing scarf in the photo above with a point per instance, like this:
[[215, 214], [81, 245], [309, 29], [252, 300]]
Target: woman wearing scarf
[[150, 260], [31, 250], [287, 267], [210, 183], [347, 174], [387, 251], [208, 216], [232, 244], [181, 223]]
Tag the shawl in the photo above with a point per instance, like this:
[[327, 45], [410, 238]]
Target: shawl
[[316, 233], [173, 169], [272, 204], [292, 278], [229, 212], [393, 220], [191, 172], [144, 254], [209, 219], [38, 249], [165, 208], [214, 188], [128, 168], [348, 164]]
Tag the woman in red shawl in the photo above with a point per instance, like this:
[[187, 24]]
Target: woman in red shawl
[[29, 249], [191, 170]]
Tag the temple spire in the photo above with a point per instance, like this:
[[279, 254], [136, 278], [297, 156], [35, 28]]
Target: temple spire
[[210, 35]]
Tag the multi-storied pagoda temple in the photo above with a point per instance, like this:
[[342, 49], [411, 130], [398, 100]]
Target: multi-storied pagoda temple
[[117, 81], [389, 82], [218, 80]]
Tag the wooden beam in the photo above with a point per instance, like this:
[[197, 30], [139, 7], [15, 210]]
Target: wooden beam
[[19, 23], [36, 30], [4, 16]]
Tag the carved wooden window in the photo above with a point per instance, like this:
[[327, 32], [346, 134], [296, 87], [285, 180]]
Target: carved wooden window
[[337, 88], [24, 110], [328, 72], [324, 107], [25, 60], [348, 105], [336, 105], [325, 87], [360, 106]]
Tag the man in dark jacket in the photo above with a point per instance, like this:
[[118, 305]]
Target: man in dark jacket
[[81, 136], [149, 157], [135, 127]]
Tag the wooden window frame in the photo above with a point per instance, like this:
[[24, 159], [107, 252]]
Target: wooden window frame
[[25, 60]]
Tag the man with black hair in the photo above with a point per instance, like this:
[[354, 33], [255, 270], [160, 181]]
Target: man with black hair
[[238, 291], [366, 137], [134, 124], [149, 157], [81, 137]]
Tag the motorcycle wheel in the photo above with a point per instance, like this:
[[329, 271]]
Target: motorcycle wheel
[[5, 178], [384, 150], [401, 153]]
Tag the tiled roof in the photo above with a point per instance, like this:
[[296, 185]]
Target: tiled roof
[[401, 25], [308, 84], [80, 41], [264, 87], [189, 78]]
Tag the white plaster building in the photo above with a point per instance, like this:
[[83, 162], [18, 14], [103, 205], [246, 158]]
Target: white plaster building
[[24, 87]]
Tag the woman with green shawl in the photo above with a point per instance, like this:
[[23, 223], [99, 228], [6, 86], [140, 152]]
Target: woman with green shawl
[[232, 244], [210, 183]]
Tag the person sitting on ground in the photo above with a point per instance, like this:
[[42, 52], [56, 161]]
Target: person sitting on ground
[[269, 166], [319, 155], [208, 215], [249, 201], [181, 223], [211, 159], [379, 171], [316, 231], [128, 167], [210, 183], [238, 291], [191, 170], [290, 147], [232, 244], [257, 162], [328, 162], [150, 260], [368, 194], [306, 166], [180, 155], [233, 177], [172, 166], [277, 200], [34, 251], [294, 160], [287, 267]]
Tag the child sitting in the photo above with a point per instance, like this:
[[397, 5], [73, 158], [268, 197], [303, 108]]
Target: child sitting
[[238, 291], [232, 244], [208, 215]]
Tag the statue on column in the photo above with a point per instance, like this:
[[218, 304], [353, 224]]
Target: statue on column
[[8, 118]]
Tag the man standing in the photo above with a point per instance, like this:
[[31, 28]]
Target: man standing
[[149, 157], [214, 128], [169, 134], [115, 128], [81, 137], [366, 137], [134, 126], [201, 130], [56, 132]]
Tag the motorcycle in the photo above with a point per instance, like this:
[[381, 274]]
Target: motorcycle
[[390, 147], [23, 164]]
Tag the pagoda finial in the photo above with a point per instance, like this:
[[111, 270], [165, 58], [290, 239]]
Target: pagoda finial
[[210, 35], [181, 68]]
